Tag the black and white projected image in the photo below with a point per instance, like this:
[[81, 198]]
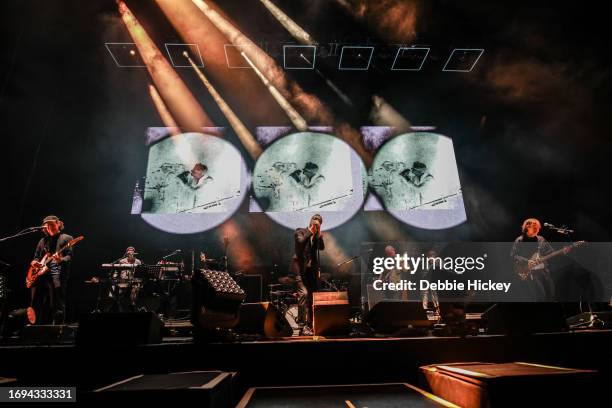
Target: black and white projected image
[[306, 173], [416, 177], [193, 183], [191, 173]]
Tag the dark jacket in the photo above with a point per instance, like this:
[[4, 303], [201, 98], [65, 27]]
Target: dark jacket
[[306, 251], [51, 245], [524, 248]]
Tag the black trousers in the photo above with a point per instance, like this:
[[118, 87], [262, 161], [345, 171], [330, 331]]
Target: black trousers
[[307, 283], [49, 300], [542, 286]]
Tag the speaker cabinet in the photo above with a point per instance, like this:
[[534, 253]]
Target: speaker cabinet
[[331, 312], [390, 316], [524, 318]]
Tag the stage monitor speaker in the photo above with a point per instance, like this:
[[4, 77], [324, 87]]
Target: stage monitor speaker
[[212, 389], [331, 313], [595, 320], [262, 318], [525, 318], [119, 329], [216, 300], [390, 316]]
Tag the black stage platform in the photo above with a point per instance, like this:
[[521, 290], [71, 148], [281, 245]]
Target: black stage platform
[[301, 360]]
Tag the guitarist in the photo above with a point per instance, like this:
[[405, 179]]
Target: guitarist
[[525, 246], [49, 290]]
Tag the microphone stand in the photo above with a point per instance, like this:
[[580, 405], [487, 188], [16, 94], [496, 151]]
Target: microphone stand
[[563, 231], [26, 231], [225, 259], [169, 255], [23, 232], [348, 261]]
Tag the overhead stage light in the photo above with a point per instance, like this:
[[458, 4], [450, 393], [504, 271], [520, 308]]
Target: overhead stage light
[[124, 55], [410, 58], [299, 56], [355, 58], [178, 52], [463, 59]]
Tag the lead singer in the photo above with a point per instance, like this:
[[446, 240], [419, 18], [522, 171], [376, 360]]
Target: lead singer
[[306, 267]]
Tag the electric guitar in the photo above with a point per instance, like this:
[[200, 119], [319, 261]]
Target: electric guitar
[[524, 269], [34, 272]]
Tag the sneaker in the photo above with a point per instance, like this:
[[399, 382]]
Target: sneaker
[[307, 331]]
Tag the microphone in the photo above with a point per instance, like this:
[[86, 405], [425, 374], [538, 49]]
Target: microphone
[[38, 227], [547, 225]]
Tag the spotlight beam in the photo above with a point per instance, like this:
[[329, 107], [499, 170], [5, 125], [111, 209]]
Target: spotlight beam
[[247, 139], [306, 59], [181, 103], [384, 114], [294, 29], [302, 36], [184, 152], [278, 81], [334, 88], [163, 111], [310, 106], [297, 119]]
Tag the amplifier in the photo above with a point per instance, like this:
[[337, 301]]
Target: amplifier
[[331, 312]]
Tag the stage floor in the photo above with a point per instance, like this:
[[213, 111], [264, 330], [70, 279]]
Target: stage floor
[[300, 360]]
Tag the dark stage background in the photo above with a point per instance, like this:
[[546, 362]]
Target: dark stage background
[[529, 124]]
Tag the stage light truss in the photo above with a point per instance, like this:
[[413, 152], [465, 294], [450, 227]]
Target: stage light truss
[[300, 57]]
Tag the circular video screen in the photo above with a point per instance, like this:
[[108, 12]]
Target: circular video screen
[[193, 183], [415, 176], [309, 173]]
